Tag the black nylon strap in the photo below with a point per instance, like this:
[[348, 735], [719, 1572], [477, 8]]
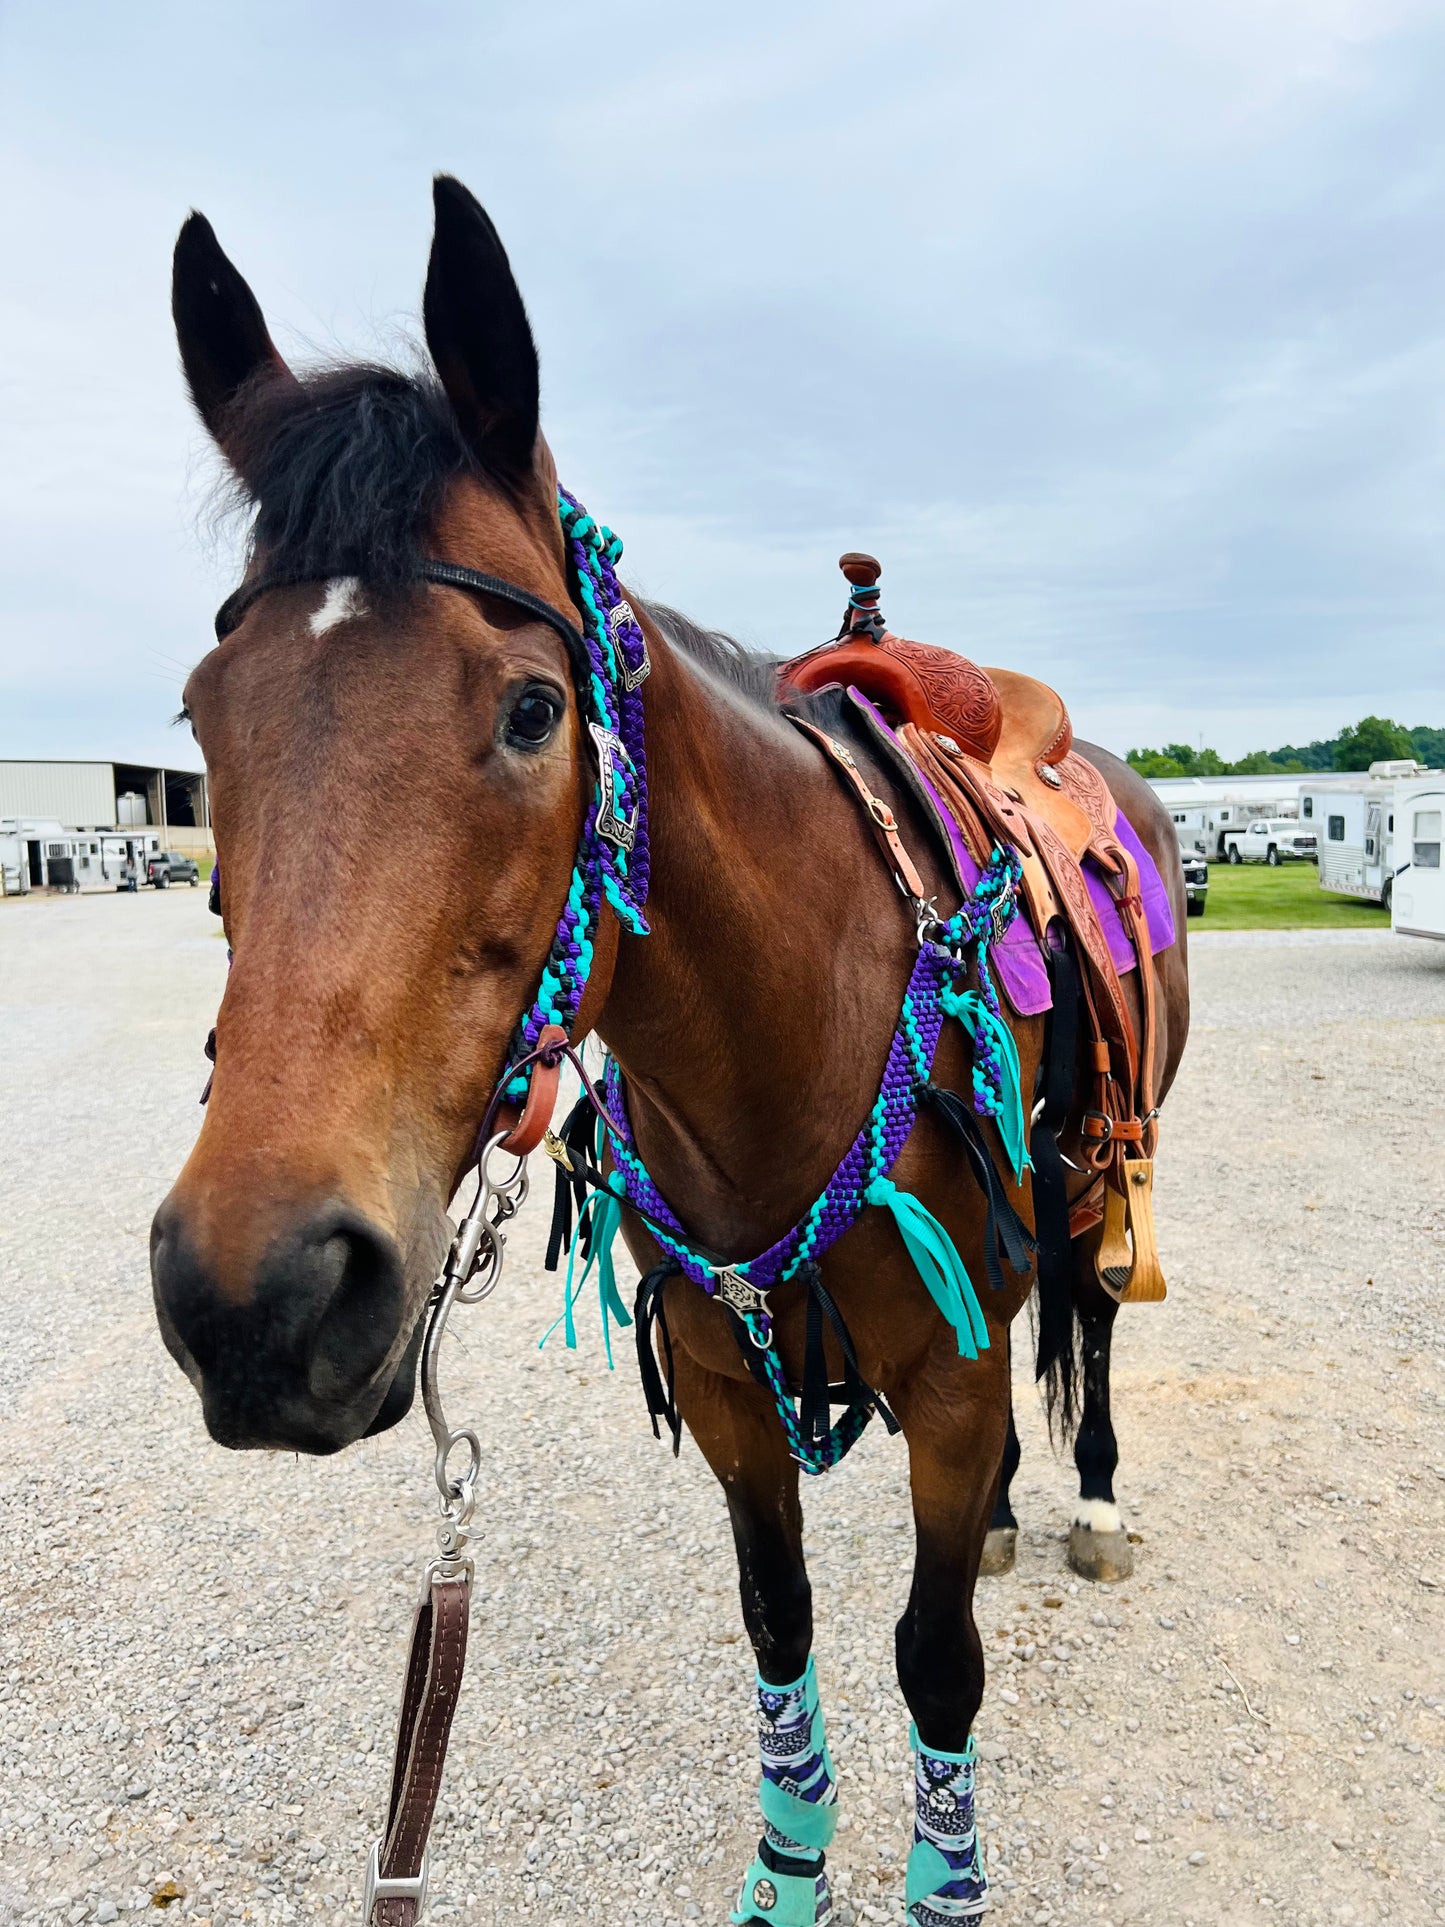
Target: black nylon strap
[[658, 1386], [579, 1134], [1004, 1230], [789, 1863], [588, 1171], [1051, 1198], [814, 1415], [855, 1389], [447, 575], [816, 1394]]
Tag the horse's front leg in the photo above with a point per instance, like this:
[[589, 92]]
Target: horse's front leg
[[738, 1433], [954, 1415], [1099, 1545]]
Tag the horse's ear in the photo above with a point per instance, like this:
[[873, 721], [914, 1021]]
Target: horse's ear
[[219, 325], [478, 334]]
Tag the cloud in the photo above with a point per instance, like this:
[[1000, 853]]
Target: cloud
[[1112, 329]]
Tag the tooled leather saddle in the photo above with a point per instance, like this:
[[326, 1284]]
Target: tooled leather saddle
[[997, 748]]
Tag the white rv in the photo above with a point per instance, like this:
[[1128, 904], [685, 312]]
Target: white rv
[[1354, 821], [1418, 906]]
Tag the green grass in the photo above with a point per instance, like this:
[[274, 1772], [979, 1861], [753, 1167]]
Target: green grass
[[1251, 896]]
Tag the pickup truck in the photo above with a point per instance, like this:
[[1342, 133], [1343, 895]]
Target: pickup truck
[[1270, 839], [1196, 880], [165, 867]]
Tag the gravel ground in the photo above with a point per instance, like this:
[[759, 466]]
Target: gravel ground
[[200, 1654]]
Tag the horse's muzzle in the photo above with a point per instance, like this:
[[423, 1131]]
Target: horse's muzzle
[[313, 1350]]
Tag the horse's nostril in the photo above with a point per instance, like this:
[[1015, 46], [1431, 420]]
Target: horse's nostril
[[357, 1275], [292, 1353]]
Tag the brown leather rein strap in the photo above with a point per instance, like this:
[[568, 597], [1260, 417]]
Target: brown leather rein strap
[[880, 817], [396, 1876], [396, 1879]]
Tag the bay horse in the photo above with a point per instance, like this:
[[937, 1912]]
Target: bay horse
[[380, 969]]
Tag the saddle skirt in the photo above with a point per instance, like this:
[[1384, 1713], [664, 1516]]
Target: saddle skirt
[[991, 751]]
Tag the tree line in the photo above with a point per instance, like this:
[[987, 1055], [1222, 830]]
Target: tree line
[[1374, 739]]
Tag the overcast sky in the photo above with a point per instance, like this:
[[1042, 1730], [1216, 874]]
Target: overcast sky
[[1116, 331]]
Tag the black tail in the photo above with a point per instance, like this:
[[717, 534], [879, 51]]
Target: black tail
[[1058, 1364]]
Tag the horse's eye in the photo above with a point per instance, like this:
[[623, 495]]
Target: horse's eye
[[535, 714]]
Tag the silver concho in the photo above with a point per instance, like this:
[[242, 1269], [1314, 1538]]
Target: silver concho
[[765, 1895], [617, 619], [1048, 774], [611, 757], [739, 1293]]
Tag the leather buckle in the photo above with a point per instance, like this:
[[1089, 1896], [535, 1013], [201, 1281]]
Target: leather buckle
[[1097, 1125], [404, 1887]]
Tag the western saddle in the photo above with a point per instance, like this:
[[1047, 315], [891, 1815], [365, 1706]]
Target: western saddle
[[997, 748]]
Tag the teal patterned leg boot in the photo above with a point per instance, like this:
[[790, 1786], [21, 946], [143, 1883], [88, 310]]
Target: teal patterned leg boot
[[946, 1880], [786, 1885]]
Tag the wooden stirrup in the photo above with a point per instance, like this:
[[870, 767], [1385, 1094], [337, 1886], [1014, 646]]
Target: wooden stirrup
[[1146, 1281], [1128, 1266]]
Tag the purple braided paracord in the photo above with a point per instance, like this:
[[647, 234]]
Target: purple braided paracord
[[606, 700], [632, 643], [873, 1153]]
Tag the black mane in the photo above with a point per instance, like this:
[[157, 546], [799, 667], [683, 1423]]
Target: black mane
[[343, 472]]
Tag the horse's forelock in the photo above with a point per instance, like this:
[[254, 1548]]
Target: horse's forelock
[[344, 471]]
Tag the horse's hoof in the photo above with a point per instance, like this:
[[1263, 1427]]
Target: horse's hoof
[[998, 1551], [1104, 1556]]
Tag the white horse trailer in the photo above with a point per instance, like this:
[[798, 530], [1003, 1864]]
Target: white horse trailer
[[1354, 822], [1418, 906], [1354, 831], [39, 853]]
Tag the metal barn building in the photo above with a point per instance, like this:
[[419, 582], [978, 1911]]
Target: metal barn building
[[84, 818]]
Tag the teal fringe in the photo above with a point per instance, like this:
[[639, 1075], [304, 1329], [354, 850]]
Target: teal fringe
[[973, 1013], [936, 1259], [606, 1216]]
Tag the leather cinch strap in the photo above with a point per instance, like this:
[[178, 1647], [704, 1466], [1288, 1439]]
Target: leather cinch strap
[[396, 1879]]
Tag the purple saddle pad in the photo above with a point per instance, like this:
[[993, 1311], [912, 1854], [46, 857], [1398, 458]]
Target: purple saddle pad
[[1022, 970]]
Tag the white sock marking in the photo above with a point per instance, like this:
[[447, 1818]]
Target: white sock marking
[[1099, 1515], [342, 601]]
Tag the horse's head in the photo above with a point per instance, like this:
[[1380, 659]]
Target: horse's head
[[395, 781]]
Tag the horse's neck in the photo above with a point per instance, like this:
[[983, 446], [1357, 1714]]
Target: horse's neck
[[751, 1023]]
